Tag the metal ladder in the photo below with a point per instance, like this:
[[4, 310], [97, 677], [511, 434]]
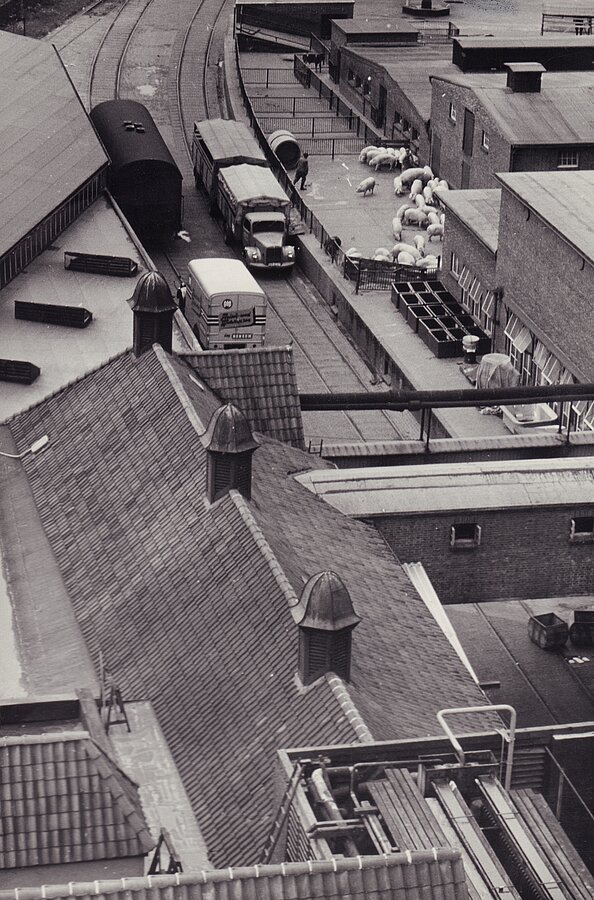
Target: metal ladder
[[281, 815]]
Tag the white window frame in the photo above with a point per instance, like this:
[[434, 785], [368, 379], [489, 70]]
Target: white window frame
[[568, 159], [452, 112], [485, 140], [455, 265]]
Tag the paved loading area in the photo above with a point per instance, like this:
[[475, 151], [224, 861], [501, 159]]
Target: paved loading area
[[366, 223]]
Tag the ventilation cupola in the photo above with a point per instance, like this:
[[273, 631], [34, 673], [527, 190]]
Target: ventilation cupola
[[326, 618], [153, 309], [229, 445]]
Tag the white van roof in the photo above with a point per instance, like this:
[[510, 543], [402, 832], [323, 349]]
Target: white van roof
[[224, 276]]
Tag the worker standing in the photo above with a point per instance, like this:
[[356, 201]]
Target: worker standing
[[302, 170]]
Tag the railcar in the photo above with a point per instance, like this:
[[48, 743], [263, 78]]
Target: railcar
[[144, 179]]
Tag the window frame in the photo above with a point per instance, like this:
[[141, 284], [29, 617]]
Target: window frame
[[452, 115], [485, 141], [465, 543], [583, 536], [567, 164]]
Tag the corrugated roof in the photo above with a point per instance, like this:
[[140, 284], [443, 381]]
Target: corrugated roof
[[433, 875], [563, 199], [64, 800], [48, 147], [560, 114], [261, 382], [443, 487], [190, 602], [478, 210]]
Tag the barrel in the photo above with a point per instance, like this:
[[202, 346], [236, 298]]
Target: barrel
[[283, 144]]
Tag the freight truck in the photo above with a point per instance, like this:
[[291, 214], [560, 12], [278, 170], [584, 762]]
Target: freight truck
[[241, 188]]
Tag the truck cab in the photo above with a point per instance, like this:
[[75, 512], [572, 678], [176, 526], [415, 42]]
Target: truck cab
[[263, 239]]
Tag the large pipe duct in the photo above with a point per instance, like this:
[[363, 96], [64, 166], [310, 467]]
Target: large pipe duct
[[400, 400]]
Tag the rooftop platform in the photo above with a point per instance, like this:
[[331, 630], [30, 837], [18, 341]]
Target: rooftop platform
[[64, 354]]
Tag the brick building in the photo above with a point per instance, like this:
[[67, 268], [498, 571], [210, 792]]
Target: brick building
[[532, 240], [529, 120]]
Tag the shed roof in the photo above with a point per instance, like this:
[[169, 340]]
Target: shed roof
[[561, 113], [443, 487], [563, 199], [48, 147], [191, 601], [64, 800], [478, 210], [432, 875]]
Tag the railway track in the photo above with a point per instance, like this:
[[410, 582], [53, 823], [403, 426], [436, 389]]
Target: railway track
[[325, 359]]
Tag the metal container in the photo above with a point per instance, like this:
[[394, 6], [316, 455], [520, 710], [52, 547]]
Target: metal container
[[548, 631]]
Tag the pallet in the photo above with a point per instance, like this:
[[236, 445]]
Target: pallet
[[98, 264]]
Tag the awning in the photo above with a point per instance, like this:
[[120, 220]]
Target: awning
[[518, 334]]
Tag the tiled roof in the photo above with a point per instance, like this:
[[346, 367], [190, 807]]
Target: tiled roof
[[261, 382], [63, 800], [430, 875], [190, 602]]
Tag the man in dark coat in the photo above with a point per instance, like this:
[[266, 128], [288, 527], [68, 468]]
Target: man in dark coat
[[301, 171]]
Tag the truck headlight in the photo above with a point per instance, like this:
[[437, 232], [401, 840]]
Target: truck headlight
[[253, 253], [289, 252]]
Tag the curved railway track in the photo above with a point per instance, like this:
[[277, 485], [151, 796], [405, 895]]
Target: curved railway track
[[324, 357]]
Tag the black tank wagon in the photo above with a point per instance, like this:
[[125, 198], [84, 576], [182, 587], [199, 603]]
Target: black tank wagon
[[143, 178]]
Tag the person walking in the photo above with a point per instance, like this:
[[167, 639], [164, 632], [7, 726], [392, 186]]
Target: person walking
[[302, 170], [181, 295]]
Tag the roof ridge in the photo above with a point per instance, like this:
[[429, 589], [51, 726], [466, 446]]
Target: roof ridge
[[46, 737], [341, 692], [263, 545], [65, 387], [186, 403], [239, 873]]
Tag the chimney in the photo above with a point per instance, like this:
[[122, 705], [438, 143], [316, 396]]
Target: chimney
[[326, 619], [153, 308], [524, 77], [229, 446]]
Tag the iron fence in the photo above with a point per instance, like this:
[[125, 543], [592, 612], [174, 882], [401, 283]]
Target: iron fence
[[291, 105], [268, 76], [307, 125]]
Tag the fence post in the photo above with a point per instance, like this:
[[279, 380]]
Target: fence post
[[358, 281], [333, 142], [313, 125]]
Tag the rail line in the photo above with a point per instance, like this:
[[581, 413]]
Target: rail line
[[325, 359]]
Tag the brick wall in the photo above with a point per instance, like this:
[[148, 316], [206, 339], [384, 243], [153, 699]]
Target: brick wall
[[482, 163], [523, 553], [471, 252], [547, 284], [545, 159]]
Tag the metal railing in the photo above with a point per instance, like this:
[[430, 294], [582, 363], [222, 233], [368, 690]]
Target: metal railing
[[290, 105], [309, 125], [268, 76]]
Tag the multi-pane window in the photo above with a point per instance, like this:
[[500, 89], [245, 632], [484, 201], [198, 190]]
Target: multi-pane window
[[568, 159], [518, 341], [455, 265]]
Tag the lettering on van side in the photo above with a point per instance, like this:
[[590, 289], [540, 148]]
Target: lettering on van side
[[239, 318]]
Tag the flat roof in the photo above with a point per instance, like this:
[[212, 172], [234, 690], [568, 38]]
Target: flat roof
[[561, 113], [478, 210], [563, 199], [65, 354], [48, 147], [361, 25], [559, 40], [410, 67], [221, 276], [442, 487]]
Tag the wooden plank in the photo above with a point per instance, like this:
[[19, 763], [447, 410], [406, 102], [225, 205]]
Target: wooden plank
[[407, 812], [477, 888], [378, 791], [554, 843], [410, 790]]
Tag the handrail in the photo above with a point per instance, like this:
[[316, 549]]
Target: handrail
[[488, 708]]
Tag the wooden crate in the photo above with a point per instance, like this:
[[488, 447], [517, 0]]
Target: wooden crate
[[548, 631]]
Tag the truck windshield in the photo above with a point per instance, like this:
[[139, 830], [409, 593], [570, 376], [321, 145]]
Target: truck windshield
[[259, 227]]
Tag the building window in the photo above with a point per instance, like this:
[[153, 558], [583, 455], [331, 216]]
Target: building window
[[465, 536], [452, 113], [414, 134], [455, 265], [485, 140], [350, 75], [405, 124], [582, 530], [397, 118], [358, 81], [568, 159]]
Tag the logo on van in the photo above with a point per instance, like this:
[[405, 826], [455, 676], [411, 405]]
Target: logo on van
[[227, 304]]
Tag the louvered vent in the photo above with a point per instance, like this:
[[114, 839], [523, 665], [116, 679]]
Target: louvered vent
[[222, 475], [340, 654], [326, 619]]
